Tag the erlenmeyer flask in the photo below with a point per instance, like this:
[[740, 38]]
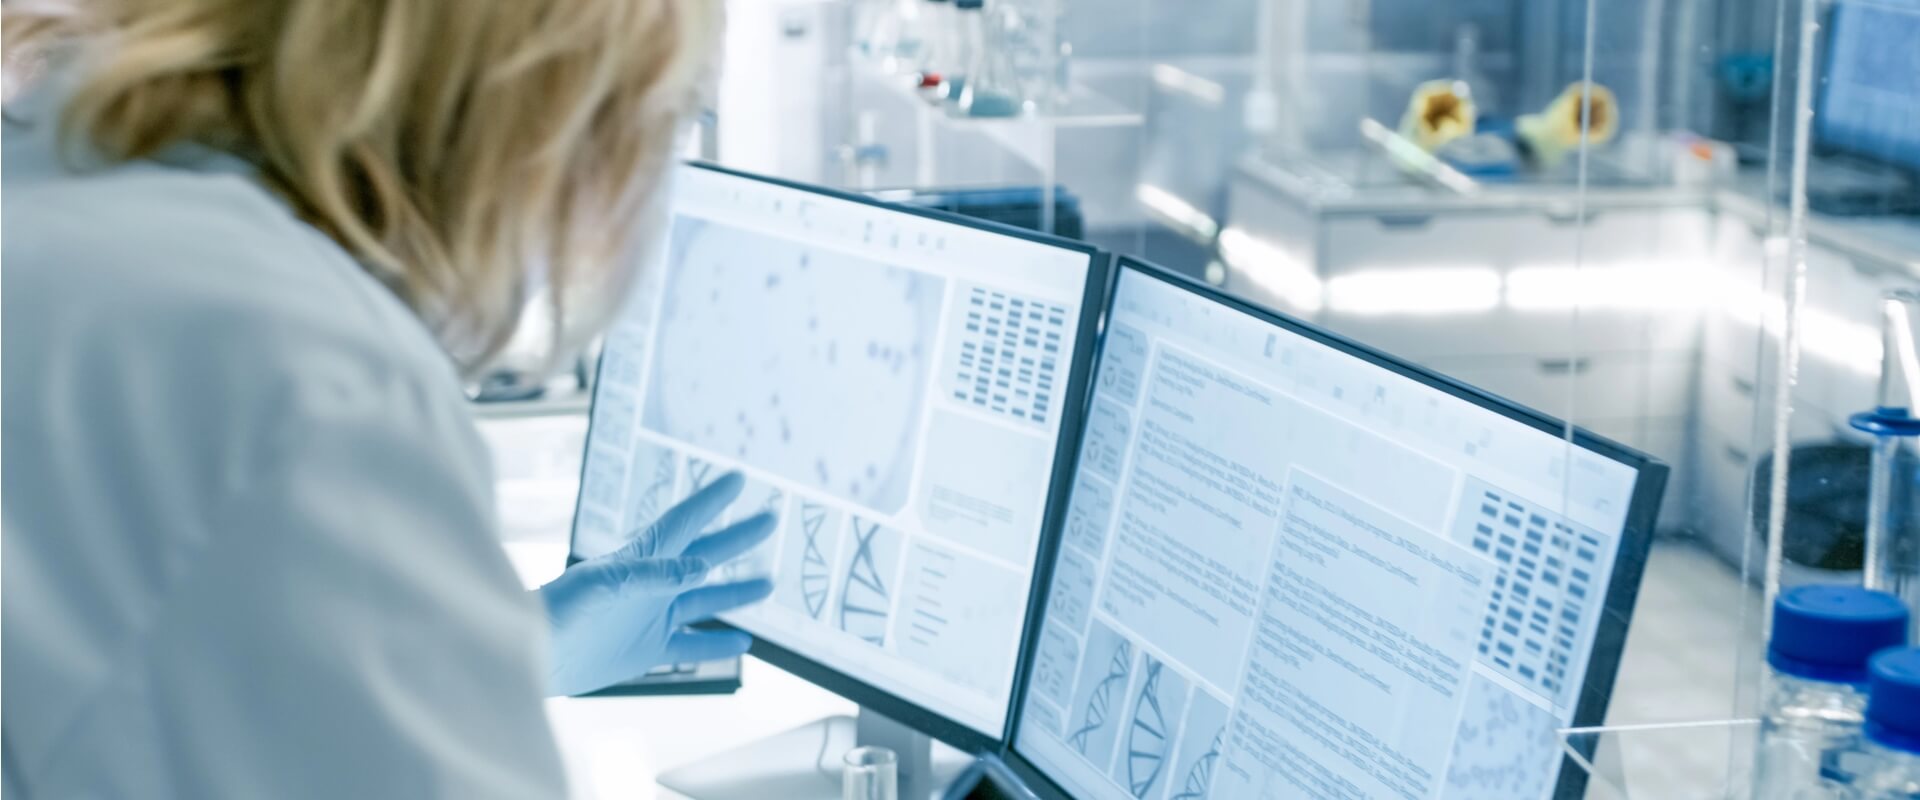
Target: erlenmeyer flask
[[991, 89]]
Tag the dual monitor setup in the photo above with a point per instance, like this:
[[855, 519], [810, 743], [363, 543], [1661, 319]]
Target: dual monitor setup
[[1131, 536]]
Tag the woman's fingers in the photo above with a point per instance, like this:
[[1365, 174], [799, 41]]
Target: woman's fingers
[[701, 604], [669, 536], [730, 542]]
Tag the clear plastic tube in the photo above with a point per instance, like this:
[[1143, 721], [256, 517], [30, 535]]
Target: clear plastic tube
[[1893, 497]]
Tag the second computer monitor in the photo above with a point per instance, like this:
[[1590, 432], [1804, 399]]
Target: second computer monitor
[[894, 384], [1293, 567]]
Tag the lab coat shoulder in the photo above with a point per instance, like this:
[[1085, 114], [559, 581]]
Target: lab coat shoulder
[[250, 544]]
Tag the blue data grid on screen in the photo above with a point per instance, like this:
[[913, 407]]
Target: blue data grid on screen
[[1543, 591], [1009, 354]]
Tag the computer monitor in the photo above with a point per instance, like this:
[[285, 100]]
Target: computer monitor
[[893, 382], [1870, 99], [1295, 567]]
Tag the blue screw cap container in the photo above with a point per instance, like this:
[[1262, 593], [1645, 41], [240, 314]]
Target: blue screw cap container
[[1893, 699], [1828, 633]]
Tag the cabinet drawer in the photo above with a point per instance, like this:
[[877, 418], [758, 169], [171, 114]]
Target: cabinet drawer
[[1499, 332], [1599, 387]]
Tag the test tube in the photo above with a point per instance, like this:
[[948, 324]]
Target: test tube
[[1893, 495]]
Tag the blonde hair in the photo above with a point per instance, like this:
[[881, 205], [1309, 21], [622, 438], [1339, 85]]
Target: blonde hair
[[470, 153]]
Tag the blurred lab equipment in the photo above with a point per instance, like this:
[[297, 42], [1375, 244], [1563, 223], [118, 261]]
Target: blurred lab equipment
[[1584, 112], [1440, 112], [991, 89]]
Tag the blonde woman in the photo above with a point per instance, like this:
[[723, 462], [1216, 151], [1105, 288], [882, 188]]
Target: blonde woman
[[250, 248]]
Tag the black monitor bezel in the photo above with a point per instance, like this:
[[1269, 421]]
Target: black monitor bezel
[[1099, 275], [1623, 588]]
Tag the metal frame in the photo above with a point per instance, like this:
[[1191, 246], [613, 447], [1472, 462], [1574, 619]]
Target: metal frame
[[906, 711], [1636, 538]]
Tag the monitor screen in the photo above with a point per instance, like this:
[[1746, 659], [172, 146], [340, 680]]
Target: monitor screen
[[1870, 100], [893, 383], [1295, 568]]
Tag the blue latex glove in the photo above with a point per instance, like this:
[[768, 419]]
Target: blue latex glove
[[616, 616]]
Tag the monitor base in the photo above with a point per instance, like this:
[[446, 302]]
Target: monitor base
[[804, 763]]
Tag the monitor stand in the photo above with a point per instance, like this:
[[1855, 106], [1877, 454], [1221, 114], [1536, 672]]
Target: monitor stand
[[805, 762]]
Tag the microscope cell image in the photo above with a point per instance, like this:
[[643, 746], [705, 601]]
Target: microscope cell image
[[804, 362]]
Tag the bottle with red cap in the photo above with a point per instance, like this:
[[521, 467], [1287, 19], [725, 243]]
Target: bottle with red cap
[[1823, 638], [1892, 751]]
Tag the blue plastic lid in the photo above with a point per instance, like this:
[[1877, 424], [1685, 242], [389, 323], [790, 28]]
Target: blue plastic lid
[[1827, 633], [1893, 700], [1884, 421]]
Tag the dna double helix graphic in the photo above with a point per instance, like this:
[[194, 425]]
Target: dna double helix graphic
[[655, 481], [1147, 735], [700, 473], [1101, 699], [815, 574], [864, 599], [1200, 776]]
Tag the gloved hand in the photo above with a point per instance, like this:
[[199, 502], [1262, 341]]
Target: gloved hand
[[616, 616]]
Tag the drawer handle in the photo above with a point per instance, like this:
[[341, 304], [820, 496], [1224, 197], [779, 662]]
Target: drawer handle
[[1565, 366], [1403, 221], [1737, 455], [1866, 268], [1569, 214], [1743, 386]]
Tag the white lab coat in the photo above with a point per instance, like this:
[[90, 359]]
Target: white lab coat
[[249, 535]]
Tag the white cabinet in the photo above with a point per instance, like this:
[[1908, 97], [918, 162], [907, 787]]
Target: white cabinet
[[1681, 307], [1485, 289], [1740, 347]]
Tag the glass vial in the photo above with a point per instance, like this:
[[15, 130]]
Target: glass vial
[[871, 773], [1817, 655]]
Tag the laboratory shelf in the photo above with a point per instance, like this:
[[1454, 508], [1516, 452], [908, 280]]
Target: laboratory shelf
[[1030, 136]]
